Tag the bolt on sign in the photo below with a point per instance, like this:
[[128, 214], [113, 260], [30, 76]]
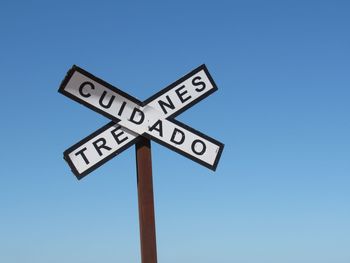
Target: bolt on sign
[[136, 122]]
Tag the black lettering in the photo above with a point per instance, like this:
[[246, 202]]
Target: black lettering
[[86, 83], [81, 152], [193, 146], [198, 83], [181, 94], [170, 104], [110, 100], [133, 116], [174, 134], [159, 129], [121, 108], [102, 142], [116, 136]]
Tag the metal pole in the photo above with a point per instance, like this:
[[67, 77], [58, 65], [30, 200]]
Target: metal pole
[[146, 203]]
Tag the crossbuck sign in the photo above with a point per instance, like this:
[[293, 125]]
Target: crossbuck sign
[[136, 122], [131, 118]]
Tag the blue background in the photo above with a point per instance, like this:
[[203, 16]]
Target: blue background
[[281, 190]]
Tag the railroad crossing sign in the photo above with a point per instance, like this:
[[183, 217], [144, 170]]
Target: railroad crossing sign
[[153, 119], [136, 122]]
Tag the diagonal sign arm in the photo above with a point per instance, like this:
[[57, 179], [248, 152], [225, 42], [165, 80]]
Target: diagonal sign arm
[[98, 148], [94, 93]]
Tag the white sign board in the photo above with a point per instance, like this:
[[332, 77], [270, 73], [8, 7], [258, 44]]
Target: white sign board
[[153, 118]]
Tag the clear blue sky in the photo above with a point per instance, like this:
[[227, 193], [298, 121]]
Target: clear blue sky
[[281, 191]]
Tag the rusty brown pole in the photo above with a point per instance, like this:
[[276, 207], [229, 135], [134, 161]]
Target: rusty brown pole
[[146, 203]]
